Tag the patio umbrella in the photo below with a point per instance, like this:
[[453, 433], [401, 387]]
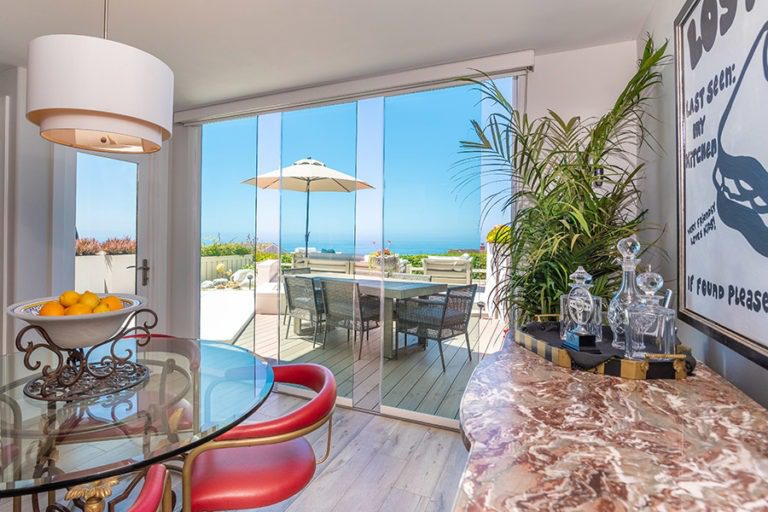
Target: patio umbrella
[[307, 176]]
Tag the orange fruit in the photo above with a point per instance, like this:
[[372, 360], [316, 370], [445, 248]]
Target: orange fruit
[[101, 308], [77, 309], [69, 298], [114, 303], [51, 308], [89, 299]]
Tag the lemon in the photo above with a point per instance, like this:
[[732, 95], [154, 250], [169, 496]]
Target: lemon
[[77, 309], [51, 308], [69, 298], [113, 302], [101, 308], [89, 299]]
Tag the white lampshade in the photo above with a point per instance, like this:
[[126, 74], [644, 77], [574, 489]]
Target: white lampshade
[[99, 95]]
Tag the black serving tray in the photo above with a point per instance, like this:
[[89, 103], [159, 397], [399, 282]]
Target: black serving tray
[[544, 340]]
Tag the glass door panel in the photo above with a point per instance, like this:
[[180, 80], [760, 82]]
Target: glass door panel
[[227, 232], [317, 234], [371, 269], [106, 238], [432, 220]]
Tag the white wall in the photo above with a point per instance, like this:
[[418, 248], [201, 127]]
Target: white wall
[[660, 197], [184, 235], [581, 82], [29, 220], [34, 213]]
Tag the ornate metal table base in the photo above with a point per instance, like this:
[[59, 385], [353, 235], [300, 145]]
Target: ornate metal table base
[[118, 376], [75, 376]]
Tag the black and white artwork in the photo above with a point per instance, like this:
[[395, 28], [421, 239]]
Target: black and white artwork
[[722, 92]]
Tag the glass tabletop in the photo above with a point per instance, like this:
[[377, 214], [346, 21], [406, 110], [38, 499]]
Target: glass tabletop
[[190, 397]]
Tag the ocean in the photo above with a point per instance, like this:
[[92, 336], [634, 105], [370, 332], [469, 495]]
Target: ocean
[[439, 246]]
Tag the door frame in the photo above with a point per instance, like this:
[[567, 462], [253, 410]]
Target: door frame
[[151, 221]]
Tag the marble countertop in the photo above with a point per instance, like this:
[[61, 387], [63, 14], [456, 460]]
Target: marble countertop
[[550, 438]]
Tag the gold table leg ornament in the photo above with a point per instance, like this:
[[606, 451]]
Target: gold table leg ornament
[[92, 494]]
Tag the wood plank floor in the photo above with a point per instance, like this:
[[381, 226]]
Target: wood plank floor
[[415, 381], [376, 464]]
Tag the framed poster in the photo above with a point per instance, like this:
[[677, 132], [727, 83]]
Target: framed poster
[[721, 58]]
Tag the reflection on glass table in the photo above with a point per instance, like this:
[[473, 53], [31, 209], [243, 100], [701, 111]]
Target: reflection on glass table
[[187, 401]]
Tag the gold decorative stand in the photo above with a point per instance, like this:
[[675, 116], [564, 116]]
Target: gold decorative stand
[[80, 374]]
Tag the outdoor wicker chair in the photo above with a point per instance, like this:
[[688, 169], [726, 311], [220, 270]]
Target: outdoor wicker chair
[[436, 317], [412, 277], [292, 272], [304, 303], [347, 308], [375, 273]]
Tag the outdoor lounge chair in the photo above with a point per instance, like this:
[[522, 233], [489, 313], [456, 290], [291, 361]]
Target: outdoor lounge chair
[[304, 303], [324, 263], [347, 308], [412, 277], [448, 269], [436, 317], [375, 273]]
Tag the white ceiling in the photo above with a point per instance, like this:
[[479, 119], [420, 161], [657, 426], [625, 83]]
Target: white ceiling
[[226, 49]]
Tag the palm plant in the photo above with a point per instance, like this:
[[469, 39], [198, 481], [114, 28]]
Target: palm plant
[[575, 189]]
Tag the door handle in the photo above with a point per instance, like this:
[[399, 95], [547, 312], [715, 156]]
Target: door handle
[[144, 271]]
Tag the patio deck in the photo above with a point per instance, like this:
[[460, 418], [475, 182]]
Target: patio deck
[[415, 381]]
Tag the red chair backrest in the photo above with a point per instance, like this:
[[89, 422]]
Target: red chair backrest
[[151, 495], [318, 378]]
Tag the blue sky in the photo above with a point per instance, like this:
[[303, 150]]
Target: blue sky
[[106, 197], [405, 146]]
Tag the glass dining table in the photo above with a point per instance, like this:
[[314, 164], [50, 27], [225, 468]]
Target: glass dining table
[[190, 398]]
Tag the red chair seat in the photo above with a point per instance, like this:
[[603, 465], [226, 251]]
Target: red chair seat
[[254, 476]]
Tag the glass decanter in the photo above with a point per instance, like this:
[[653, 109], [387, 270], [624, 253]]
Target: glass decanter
[[629, 249], [651, 325], [581, 278]]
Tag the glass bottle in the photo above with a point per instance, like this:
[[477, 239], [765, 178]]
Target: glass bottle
[[629, 249], [651, 325], [581, 278]]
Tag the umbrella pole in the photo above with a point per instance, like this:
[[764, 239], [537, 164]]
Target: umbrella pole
[[306, 227]]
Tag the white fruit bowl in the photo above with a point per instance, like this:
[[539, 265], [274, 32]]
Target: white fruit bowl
[[77, 331]]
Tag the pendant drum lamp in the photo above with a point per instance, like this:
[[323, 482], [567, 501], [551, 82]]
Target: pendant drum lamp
[[99, 95]]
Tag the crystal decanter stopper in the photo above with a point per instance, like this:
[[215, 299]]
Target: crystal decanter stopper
[[629, 249]]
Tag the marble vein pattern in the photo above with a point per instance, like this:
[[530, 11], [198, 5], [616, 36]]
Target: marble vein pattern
[[548, 438]]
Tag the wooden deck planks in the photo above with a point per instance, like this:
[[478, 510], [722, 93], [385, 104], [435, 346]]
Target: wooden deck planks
[[415, 381]]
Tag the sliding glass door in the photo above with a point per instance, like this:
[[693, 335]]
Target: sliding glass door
[[346, 235]]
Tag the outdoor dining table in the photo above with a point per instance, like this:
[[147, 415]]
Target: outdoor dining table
[[83, 445], [391, 290]]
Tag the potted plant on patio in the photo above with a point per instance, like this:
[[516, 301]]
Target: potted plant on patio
[[576, 189]]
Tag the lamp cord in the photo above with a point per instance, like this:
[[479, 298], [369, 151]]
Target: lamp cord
[[106, 17]]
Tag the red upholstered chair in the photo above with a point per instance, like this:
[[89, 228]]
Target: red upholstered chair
[[260, 464], [156, 494]]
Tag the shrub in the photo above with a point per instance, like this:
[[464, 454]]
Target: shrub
[[226, 249], [499, 234], [87, 246], [124, 245]]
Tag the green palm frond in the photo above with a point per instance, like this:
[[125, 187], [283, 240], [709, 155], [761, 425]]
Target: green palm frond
[[562, 218]]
